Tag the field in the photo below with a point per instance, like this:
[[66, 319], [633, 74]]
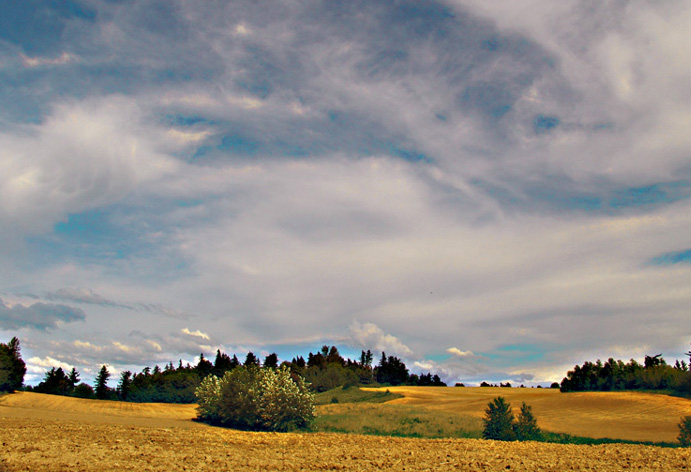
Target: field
[[620, 415], [49, 433]]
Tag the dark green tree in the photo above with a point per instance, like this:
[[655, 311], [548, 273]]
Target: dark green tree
[[55, 382], [124, 385], [366, 358], [391, 370], [102, 383], [271, 361], [222, 364], [73, 378], [251, 360], [12, 367], [498, 421], [204, 366], [526, 428], [685, 432]]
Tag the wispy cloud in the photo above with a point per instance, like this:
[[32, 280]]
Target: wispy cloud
[[195, 333], [42, 316]]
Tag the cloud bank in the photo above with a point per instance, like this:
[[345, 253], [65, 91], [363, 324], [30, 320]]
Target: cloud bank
[[513, 180]]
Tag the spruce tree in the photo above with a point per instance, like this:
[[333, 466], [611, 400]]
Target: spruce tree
[[101, 383], [73, 378], [526, 428], [498, 421], [125, 383]]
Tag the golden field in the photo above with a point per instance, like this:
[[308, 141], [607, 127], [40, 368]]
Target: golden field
[[50, 433], [620, 415]]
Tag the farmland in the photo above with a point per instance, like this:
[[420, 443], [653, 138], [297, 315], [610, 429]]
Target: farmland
[[41, 433]]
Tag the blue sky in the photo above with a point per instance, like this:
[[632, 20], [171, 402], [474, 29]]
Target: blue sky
[[489, 190]]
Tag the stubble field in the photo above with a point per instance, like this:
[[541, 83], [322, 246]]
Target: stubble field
[[47, 433]]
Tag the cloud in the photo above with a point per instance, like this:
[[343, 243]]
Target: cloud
[[64, 58], [457, 352], [196, 333], [36, 368], [457, 173], [370, 336], [82, 156], [41, 316], [88, 296], [84, 295]]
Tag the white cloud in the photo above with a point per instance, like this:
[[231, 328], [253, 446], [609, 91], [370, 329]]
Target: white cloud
[[457, 352], [196, 333], [38, 365], [82, 156], [370, 336]]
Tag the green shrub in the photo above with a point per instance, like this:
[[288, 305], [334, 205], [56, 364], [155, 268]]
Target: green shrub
[[685, 432], [256, 399]]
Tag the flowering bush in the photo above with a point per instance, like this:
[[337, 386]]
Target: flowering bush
[[257, 399]]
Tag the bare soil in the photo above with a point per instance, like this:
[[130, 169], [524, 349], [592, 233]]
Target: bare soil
[[47, 434]]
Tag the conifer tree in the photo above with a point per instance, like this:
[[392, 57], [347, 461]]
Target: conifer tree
[[101, 383], [526, 428], [124, 385], [73, 378], [498, 421]]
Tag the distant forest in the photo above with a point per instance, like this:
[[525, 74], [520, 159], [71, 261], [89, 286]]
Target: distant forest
[[323, 370], [654, 374]]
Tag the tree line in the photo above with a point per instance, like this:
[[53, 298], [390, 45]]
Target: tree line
[[323, 370], [653, 374]]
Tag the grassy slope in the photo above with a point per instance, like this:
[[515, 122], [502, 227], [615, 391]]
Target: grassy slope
[[621, 415]]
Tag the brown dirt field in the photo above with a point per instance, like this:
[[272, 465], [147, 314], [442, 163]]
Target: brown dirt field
[[76, 435], [619, 415]]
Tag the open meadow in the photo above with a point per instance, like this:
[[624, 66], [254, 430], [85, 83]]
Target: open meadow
[[51, 433]]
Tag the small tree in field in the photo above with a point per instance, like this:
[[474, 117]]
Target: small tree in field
[[526, 425], [498, 421], [685, 432]]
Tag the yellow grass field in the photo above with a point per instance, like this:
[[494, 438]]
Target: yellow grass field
[[619, 415], [50, 433]]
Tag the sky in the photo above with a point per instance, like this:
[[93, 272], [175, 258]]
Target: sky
[[488, 190]]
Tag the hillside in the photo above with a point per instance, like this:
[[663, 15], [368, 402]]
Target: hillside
[[622, 415]]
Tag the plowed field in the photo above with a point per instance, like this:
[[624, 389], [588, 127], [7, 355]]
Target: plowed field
[[43, 433]]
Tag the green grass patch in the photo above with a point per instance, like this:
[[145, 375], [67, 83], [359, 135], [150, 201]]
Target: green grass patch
[[563, 438], [354, 395], [395, 420]]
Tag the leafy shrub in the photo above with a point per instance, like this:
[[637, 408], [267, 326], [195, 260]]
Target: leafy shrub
[[685, 432], [498, 421], [257, 399]]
